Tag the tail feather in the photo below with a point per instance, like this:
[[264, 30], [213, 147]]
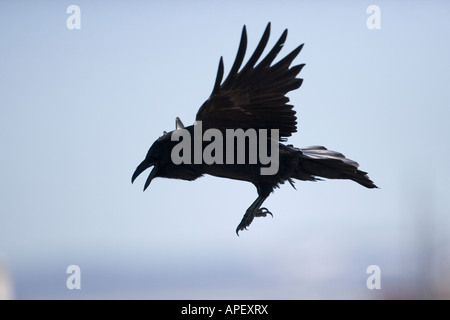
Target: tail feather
[[318, 161]]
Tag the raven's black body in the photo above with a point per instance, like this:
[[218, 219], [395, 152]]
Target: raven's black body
[[254, 98]]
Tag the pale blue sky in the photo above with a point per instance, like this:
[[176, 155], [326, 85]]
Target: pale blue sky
[[80, 108]]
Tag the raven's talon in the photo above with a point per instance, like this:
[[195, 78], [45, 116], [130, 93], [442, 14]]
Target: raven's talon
[[249, 216], [262, 212]]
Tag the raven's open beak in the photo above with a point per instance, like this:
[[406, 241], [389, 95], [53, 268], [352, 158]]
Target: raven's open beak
[[141, 168]]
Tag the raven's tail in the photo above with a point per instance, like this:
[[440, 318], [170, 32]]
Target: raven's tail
[[318, 161]]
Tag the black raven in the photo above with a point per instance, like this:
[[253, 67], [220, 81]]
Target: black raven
[[251, 97]]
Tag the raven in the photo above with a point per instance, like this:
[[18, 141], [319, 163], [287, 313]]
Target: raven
[[252, 97]]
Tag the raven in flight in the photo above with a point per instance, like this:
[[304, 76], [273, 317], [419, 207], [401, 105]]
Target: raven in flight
[[252, 97]]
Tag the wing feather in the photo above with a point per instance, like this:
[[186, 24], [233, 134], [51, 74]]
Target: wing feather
[[255, 96]]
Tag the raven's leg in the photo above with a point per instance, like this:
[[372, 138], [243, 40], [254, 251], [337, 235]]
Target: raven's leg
[[253, 211]]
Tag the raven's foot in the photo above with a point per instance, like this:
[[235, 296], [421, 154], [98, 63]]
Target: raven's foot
[[248, 218], [262, 212]]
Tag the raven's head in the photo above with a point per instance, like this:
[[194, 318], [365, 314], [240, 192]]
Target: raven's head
[[157, 156]]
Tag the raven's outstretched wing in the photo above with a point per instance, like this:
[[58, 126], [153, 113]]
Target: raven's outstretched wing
[[254, 97]]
